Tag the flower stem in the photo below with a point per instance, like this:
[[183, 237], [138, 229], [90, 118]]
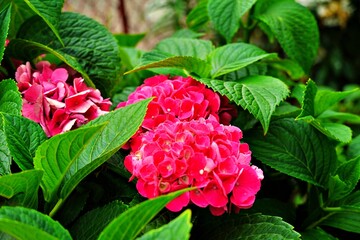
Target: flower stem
[[56, 207]]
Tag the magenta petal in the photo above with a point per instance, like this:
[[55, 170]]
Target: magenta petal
[[217, 211], [215, 194], [198, 198], [178, 203], [59, 75], [78, 103]]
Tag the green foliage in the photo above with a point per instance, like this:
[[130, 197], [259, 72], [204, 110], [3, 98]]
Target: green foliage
[[225, 15], [257, 53], [178, 228], [254, 226], [123, 227], [293, 26], [24, 223], [296, 149], [4, 27], [21, 189], [91, 224], [258, 94]]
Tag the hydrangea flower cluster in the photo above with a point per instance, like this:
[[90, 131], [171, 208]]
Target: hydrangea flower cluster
[[179, 98], [185, 142], [51, 101]]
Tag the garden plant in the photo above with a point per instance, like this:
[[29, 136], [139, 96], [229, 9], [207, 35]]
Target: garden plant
[[217, 132]]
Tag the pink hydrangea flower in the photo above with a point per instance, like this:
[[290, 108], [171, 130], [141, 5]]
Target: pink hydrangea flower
[[198, 153], [179, 98], [55, 104]]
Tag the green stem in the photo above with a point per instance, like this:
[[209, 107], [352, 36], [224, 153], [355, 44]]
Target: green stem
[[314, 224], [56, 207]]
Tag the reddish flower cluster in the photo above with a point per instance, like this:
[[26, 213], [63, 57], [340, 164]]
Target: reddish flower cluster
[[55, 104], [198, 153], [185, 142], [179, 98]]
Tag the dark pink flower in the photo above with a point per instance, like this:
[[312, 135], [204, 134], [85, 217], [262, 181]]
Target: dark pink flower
[[179, 98], [198, 153], [51, 101]]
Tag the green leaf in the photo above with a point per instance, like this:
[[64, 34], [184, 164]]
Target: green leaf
[[10, 98], [354, 148], [226, 14], [346, 178], [254, 226], [4, 28], [185, 47], [179, 228], [20, 11], [5, 155], [49, 11], [316, 233], [56, 155], [348, 221], [198, 16], [124, 226], [292, 68], [21, 188], [186, 33], [24, 223], [308, 100], [69, 157], [258, 94], [340, 116], [326, 98], [90, 225], [121, 125], [296, 149], [336, 131], [294, 27], [235, 56], [23, 136], [186, 64], [87, 41], [128, 40]]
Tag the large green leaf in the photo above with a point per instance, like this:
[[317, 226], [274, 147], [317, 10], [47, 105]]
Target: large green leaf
[[198, 16], [296, 149], [10, 98], [348, 221], [24, 223], [226, 14], [90, 225], [340, 116], [177, 229], [316, 102], [346, 178], [185, 63], [293, 25], [129, 224], [316, 233], [354, 148], [185, 47], [258, 94], [5, 156], [23, 136], [325, 99], [49, 11], [252, 226], [233, 57], [86, 40], [4, 27], [21, 188], [67, 158], [56, 155]]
